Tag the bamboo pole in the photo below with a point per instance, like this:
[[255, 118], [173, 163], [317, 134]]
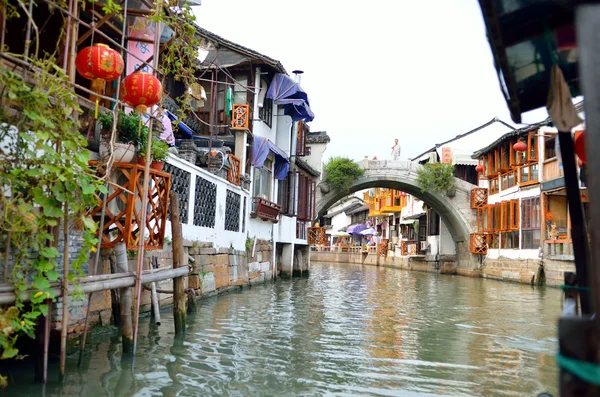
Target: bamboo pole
[[142, 222], [127, 280], [178, 287], [65, 298]]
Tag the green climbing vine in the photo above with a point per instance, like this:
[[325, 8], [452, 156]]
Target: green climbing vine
[[45, 174]]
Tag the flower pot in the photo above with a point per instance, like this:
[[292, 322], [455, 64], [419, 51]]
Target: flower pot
[[122, 152], [155, 165], [451, 192]]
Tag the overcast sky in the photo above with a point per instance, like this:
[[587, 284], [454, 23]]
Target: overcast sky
[[420, 71]]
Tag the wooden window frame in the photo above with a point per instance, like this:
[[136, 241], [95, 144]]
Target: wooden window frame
[[532, 136], [530, 181], [504, 149], [504, 216], [513, 154], [494, 182], [507, 174], [531, 222], [515, 220]]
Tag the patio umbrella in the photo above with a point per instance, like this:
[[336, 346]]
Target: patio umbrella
[[368, 232], [342, 234]]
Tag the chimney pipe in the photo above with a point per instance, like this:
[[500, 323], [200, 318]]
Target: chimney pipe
[[298, 74]]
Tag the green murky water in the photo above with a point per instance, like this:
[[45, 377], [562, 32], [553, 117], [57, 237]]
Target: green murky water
[[345, 330]]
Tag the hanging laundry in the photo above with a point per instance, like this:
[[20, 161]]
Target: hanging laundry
[[229, 101]]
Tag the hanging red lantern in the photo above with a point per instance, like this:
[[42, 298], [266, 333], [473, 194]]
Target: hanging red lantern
[[520, 146], [99, 63], [579, 144], [141, 90], [479, 168]]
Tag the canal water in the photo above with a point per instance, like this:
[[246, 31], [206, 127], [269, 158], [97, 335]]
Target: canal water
[[345, 330]]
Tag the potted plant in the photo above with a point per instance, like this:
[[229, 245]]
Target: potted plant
[[127, 136], [159, 152]]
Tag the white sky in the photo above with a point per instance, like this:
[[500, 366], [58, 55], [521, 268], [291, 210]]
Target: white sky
[[420, 71]]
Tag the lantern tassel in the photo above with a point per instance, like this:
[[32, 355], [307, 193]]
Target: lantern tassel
[[96, 110]]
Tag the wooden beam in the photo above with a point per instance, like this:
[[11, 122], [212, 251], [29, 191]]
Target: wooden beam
[[99, 24], [179, 313]]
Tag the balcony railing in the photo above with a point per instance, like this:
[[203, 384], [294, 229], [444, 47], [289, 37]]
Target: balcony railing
[[317, 236], [265, 210], [562, 247], [409, 247], [234, 172], [124, 207]]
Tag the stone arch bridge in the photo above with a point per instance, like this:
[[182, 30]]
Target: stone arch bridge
[[455, 211]]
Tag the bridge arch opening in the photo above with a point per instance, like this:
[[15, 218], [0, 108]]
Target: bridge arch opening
[[455, 211]]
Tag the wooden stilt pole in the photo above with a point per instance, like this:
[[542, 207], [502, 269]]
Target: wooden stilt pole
[[179, 314], [126, 301], [65, 297], [155, 302]]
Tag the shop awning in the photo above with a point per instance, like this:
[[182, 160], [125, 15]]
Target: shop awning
[[287, 93], [262, 147]]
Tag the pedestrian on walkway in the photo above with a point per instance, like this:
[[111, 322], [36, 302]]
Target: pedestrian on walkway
[[396, 150]]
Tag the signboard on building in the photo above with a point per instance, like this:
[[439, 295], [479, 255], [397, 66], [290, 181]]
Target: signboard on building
[[446, 155]]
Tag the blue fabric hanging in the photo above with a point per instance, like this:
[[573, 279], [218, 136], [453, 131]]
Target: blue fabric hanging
[[287, 93]]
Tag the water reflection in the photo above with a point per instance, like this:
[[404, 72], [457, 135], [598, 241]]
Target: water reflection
[[347, 330]]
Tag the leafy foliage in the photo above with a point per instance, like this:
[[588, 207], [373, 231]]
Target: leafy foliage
[[341, 172], [45, 174], [436, 177], [127, 126], [159, 150]]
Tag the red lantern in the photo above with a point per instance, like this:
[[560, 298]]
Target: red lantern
[[520, 146], [479, 168], [99, 63], [579, 143], [141, 90]]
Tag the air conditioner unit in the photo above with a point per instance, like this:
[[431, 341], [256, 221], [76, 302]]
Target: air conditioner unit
[[424, 245]]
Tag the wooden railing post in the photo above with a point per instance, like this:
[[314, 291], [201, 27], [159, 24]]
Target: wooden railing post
[[179, 313]]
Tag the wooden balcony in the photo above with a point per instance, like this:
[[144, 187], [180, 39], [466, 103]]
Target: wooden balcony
[[479, 197], [124, 207], [317, 236], [552, 170], [265, 210], [478, 243]]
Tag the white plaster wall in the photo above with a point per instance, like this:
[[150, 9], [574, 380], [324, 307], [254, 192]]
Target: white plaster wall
[[315, 159], [260, 229], [283, 139], [433, 242], [513, 253], [217, 235], [283, 131], [339, 221], [287, 229], [447, 246]]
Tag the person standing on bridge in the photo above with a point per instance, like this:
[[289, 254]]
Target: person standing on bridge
[[396, 150]]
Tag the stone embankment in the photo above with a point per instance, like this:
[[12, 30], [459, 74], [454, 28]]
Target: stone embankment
[[531, 271], [215, 271]]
